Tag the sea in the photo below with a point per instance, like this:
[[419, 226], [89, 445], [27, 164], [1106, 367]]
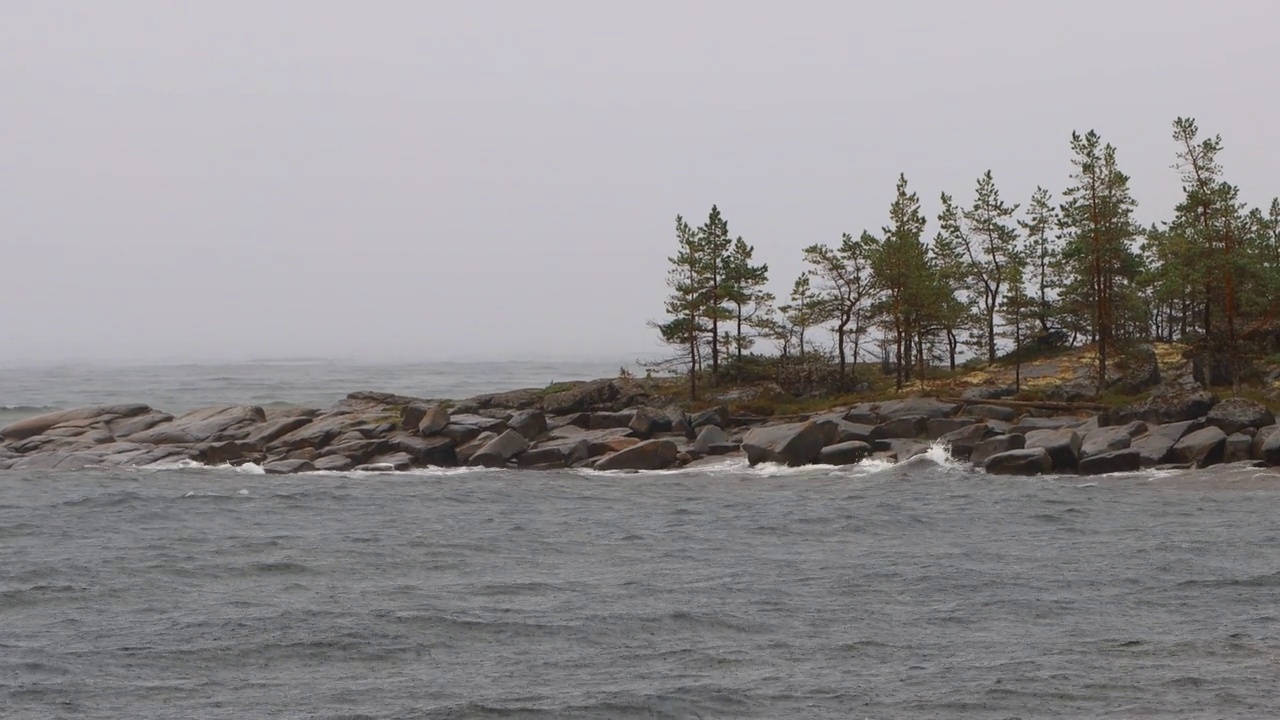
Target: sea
[[915, 590]]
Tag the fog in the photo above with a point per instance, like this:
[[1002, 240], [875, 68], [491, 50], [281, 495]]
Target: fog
[[499, 180]]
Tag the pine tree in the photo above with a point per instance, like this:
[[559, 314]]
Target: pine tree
[[1098, 261], [745, 294], [952, 311], [713, 237], [844, 286], [804, 311], [987, 236], [684, 329], [1041, 251], [899, 262]]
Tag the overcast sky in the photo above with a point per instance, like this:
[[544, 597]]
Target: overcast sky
[[408, 179]]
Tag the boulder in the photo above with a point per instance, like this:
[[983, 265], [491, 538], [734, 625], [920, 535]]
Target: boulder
[[472, 446], [839, 430], [647, 422], [224, 453], [609, 444], [1257, 452], [499, 450], [435, 451], [1028, 424], [717, 416], [101, 414], [1171, 403], [1125, 460], [1062, 445], [987, 393], [607, 420], [334, 463], [991, 412], [645, 455], [995, 446], [134, 424], [532, 424], [863, 414], [1108, 439], [522, 399], [1029, 461], [918, 406], [792, 444], [937, 427], [554, 453], [845, 453], [212, 424], [594, 395], [393, 462], [709, 435], [483, 422], [1238, 448], [910, 426], [961, 442], [288, 467], [900, 449], [1201, 448], [1235, 414], [319, 432], [271, 430], [434, 419]]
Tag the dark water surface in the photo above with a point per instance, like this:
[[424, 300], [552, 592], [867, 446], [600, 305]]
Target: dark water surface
[[918, 591]]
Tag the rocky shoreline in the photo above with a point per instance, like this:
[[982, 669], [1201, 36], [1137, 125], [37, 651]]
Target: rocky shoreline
[[611, 425]]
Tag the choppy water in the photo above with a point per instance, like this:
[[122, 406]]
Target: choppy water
[[915, 591]]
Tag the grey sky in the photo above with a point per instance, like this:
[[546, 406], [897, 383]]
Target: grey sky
[[397, 179]]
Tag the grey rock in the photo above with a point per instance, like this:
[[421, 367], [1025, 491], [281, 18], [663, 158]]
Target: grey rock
[[990, 412], [465, 451], [101, 414], [394, 462], [1201, 448], [645, 455], [434, 419], [608, 420], [647, 422], [555, 453], [845, 453], [1029, 461], [937, 427], [1063, 447], [909, 407], [134, 424], [532, 424], [1028, 424], [1257, 451], [271, 430], [717, 416], [1109, 439], [709, 435], [1238, 448], [960, 443], [1125, 460], [1235, 414], [434, 451], [791, 444], [911, 426], [288, 467], [499, 450], [995, 446], [212, 424], [334, 463]]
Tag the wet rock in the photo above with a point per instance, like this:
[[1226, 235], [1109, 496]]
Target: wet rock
[[224, 453], [960, 443], [709, 435], [1201, 448], [911, 426], [995, 446], [1115, 461], [334, 463], [839, 430], [434, 419], [1235, 414], [394, 462], [434, 451], [792, 444], [1029, 461], [647, 422], [610, 444], [645, 455], [900, 449], [1155, 445], [1257, 451], [531, 424], [1171, 403], [1063, 447], [1238, 448], [288, 467], [845, 453], [466, 450], [101, 414], [1109, 439], [937, 427], [555, 453], [499, 450]]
